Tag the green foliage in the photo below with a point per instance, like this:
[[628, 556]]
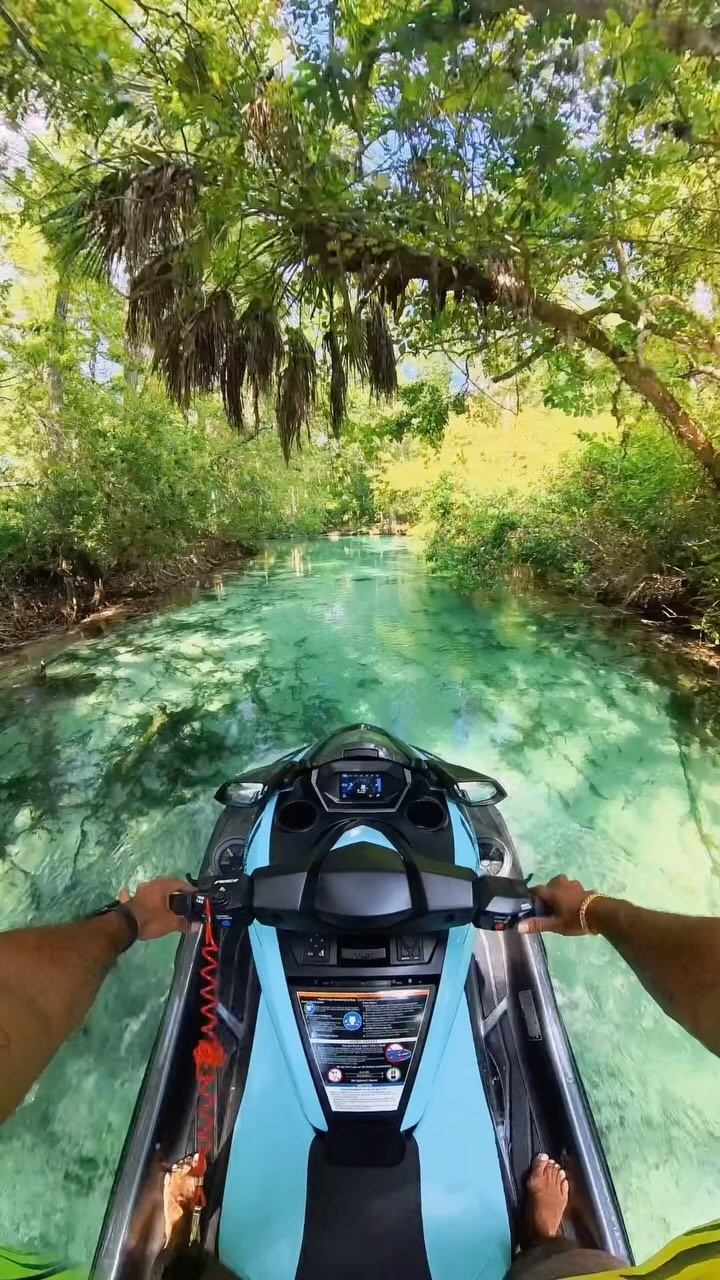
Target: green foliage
[[578, 384], [625, 520], [423, 409], [102, 465], [288, 198], [500, 183], [139, 485]]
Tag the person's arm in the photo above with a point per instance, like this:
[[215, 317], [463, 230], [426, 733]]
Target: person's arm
[[49, 977], [676, 958]]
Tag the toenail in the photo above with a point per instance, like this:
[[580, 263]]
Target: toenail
[[542, 1156]]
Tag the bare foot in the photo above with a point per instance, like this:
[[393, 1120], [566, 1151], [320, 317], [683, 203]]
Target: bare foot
[[547, 1197], [179, 1196]]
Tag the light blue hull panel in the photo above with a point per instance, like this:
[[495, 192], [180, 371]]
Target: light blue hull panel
[[263, 1212], [467, 1236]]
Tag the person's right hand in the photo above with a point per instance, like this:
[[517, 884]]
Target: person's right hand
[[563, 899]]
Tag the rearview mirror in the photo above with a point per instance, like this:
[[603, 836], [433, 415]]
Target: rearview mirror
[[477, 791], [240, 795]]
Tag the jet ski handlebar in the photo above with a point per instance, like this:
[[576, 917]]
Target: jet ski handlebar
[[361, 888]]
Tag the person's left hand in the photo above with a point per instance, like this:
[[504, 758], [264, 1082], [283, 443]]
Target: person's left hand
[[151, 909]]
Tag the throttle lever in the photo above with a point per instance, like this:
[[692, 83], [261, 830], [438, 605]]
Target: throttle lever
[[230, 900], [501, 903], [183, 905]]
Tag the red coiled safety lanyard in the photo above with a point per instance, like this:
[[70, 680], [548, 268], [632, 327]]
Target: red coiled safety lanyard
[[209, 1057]]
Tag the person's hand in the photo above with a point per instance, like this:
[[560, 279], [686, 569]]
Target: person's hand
[[562, 899], [151, 909]]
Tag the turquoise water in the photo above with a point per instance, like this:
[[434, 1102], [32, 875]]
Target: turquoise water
[[108, 766]]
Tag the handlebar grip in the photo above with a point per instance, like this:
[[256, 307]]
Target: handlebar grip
[[181, 904]]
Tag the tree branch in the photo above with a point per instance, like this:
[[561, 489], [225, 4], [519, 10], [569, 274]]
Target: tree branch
[[496, 282], [710, 342], [525, 363], [621, 258], [684, 340], [23, 40], [703, 371]]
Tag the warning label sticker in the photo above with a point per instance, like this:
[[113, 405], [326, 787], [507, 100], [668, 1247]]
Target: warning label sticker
[[363, 1043]]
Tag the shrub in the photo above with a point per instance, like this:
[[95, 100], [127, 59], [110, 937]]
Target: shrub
[[627, 521]]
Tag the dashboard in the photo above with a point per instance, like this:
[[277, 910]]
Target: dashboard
[[357, 786], [361, 786]]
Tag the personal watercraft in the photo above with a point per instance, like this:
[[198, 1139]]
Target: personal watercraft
[[389, 1052]]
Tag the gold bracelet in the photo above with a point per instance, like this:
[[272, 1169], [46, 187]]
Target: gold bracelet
[[590, 897]]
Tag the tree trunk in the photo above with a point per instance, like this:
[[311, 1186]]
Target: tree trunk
[[391, 268], [53, 374], [645, 381], [131, 366], [641, 378]]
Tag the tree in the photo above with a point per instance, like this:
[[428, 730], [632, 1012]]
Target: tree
[[286, 191]]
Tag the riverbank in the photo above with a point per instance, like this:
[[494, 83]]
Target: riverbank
[[38, 609], [73, 599], [659, 604]]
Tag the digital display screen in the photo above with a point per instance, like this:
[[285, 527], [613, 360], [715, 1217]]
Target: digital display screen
[[361, 786]]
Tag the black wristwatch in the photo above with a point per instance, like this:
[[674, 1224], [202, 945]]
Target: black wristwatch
[[128, 916]]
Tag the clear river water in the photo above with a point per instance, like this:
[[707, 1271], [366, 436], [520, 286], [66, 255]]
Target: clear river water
[[108, 766]]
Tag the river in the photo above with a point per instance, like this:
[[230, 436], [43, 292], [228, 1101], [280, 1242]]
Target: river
[[108, 766]]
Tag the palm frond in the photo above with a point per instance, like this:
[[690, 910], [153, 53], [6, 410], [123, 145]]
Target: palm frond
[[262, 336], [232, 374], [338, 382], [260, 119], [158, 289], [85, 234], [206, 338], [156, 210], [381, 366], [355, 348], [126, 217], [272, 126], [296, 390], [191, 354], [169, 361]]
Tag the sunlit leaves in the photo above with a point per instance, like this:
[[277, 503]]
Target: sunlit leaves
[[462, 133]]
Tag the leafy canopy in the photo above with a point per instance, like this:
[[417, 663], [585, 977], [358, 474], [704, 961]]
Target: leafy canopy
[[282, 190]]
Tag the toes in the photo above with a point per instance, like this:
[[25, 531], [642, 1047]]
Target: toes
[[536, 1176], [545, 1171]]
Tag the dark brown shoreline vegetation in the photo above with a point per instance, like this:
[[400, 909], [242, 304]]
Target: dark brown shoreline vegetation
[[70, 602]]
